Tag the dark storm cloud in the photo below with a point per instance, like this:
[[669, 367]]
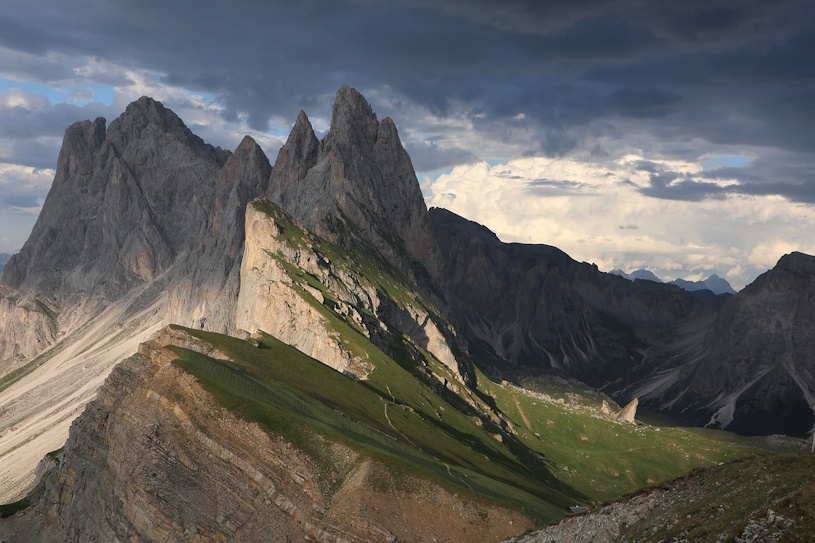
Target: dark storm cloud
[[429, 156], [723, 72]]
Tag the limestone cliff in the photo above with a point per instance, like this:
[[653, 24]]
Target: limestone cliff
[[155, 458], [293, 284]]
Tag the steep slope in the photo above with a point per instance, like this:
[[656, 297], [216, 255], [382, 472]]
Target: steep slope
[[126, 201], [535, 307], [158, 457], [204, 289], [357, 185], [143, 226], [205, 437], [756, 370]]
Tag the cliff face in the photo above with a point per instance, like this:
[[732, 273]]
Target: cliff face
[[758, 363], [155, 458], [357, 186], [535, 307], [294, 284]]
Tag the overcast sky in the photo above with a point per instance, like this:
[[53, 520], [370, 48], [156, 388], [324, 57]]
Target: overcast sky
[[627, 133]]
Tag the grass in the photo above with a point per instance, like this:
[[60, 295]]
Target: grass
[[8, 509], [559, 455], [722, 500], [604, 459], [294, 396]]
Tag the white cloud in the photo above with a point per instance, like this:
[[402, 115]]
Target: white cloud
[[580, 208]]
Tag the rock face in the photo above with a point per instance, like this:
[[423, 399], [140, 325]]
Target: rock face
[[629, 412], [292, 282], [533, 306], [758, 362], [126, 202], [204, 291], [357, 186], [154, 458]]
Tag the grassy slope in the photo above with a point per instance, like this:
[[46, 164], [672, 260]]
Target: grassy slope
[[723, 499], [560, 456], [293, 395]]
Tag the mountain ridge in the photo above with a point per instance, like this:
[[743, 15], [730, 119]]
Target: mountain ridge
[[389, 288]]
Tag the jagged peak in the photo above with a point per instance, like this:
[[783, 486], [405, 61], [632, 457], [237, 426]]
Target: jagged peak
[[145, 112], [247, 145], [248, 151], [302, 134], [353, 122], [79, 144]]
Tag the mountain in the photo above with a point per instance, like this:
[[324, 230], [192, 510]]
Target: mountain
[[357, 186], [4, 257], [145, 226], [753, 373], [637, 274], [302, 350], [714, 283], [532, 306]]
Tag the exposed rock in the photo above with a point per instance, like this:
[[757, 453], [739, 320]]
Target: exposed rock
[[533, 306], [605, 408], [204, 291], [754, 373], [268, 299], [629, 412], [357, 187], [154, 458], [125, 202]]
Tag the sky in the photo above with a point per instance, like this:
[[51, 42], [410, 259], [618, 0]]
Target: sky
[[672, 136]]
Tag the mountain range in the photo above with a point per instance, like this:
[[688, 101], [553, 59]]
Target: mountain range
[[714, 283], [225, 287]]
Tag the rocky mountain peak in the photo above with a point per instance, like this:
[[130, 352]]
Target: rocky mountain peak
[[353, 122], [297, 156], [81, 141], [247, 152], [357, 186], [148, 119]]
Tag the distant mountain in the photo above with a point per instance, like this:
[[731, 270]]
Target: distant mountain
[[714, 283], [4, 257], [637, 274]]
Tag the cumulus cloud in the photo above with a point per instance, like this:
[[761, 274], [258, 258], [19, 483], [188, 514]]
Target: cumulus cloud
[[602, 213]]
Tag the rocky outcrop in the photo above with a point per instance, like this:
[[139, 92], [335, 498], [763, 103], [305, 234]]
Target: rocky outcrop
[[127, 200], [155, 458], [293, 284], [271, 301], [629, 412], [357, 187], [204, 290]]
